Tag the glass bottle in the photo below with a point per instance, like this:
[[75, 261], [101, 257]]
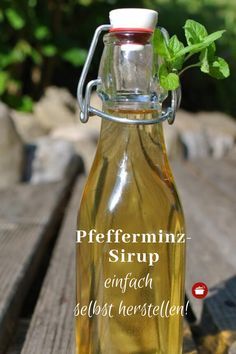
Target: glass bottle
[[130, 191]]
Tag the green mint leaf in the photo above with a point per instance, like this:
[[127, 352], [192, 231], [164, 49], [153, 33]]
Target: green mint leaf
[[205, 67], [219, 69], [213, 37], [168, 80], [195, 32], [175, 46], [160, 44], [174, 54], [195, 48], [206, 57]]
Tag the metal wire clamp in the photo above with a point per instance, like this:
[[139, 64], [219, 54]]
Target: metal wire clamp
[[87, 111]]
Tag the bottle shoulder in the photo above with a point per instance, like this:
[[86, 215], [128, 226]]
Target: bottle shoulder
[[130, 176], [118, 186]]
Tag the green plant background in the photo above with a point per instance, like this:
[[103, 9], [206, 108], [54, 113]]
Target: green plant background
[[44, 42]]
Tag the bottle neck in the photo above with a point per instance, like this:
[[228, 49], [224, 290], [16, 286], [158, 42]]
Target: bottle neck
[[128, 71], [135, 143], [129, 88]]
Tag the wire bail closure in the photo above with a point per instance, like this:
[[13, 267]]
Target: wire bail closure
[[87, 111]]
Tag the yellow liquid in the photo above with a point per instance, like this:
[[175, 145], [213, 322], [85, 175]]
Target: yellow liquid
[[130, 187]]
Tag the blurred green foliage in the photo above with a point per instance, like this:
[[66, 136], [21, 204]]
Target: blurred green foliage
[[36, 37], [44, 42]]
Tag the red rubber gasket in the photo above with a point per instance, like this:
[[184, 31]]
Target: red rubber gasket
[[146, 30]]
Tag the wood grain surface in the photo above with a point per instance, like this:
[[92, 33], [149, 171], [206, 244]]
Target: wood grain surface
[[29, 216], [51, 328], [207, 190]]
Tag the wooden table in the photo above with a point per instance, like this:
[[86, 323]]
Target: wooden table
[[37, 260]]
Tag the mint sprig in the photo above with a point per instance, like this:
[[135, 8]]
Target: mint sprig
[[175, 54]]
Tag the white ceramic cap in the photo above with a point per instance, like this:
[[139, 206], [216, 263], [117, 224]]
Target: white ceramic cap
[[133, 18]]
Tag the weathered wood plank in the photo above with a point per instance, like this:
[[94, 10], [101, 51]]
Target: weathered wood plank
[[28, 219], [211, 223], [24, 203], [35, 201], [210, 217], [51, 329]]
